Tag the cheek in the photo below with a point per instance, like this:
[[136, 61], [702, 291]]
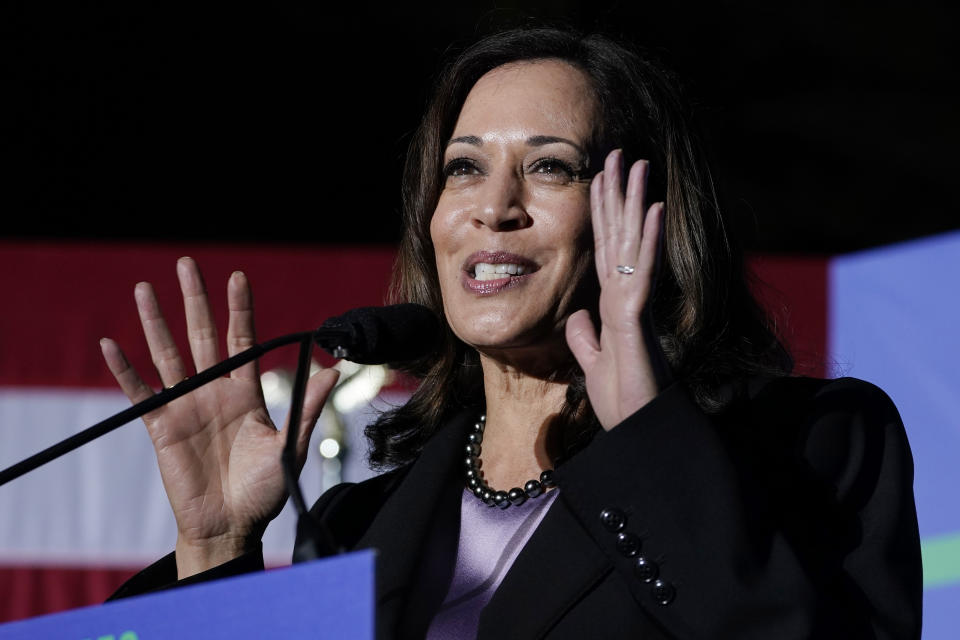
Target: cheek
[[443, 225], [568, 226], [444, 247]]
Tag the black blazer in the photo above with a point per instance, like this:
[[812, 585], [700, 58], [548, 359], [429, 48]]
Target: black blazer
[[790, 515]]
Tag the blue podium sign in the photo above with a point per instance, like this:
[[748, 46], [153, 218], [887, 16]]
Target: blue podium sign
[[332, 597]]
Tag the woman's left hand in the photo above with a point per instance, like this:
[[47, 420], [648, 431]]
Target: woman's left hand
[[619, 367]]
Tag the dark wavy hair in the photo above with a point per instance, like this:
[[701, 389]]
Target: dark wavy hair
[[709, 327]]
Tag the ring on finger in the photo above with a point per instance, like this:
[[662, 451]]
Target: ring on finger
[[624, 269]]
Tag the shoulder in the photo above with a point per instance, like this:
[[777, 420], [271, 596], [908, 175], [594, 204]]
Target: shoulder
[[846, 431], [822, 405]]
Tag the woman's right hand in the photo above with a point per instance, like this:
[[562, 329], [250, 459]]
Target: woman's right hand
[[218, 450]]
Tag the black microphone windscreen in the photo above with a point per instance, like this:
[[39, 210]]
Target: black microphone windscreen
[[375, 335]]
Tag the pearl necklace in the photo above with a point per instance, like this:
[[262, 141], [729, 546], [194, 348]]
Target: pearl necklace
[[483, 491]]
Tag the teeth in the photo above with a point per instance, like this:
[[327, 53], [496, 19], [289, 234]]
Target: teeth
[[487, 271]]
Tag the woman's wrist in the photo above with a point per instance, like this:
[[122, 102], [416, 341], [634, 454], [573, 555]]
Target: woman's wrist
[[195, 557]]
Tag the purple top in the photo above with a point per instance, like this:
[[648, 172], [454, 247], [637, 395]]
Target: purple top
[[490, 540]]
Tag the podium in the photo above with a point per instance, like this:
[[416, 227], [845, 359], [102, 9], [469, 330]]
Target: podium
[[332, 598]]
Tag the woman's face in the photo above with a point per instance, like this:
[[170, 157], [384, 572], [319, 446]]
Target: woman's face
[[511, 230]]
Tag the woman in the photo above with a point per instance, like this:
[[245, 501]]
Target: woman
[[699, 491]]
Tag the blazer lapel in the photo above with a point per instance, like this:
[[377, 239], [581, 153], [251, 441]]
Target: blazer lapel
[[404, 522], [558, 564]]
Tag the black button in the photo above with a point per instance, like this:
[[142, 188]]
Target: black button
[[646, 570], [613, 520], [663, 592], [628, 544]]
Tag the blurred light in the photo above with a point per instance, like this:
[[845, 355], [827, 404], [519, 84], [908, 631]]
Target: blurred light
[[329, 448], [277, 387], [277, 384], [346, 369], [358, 387]]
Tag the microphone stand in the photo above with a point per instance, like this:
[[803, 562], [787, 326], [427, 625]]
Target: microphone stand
[[313, 539]]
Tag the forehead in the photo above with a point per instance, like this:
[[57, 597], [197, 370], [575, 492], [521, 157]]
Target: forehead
[[545, 97]]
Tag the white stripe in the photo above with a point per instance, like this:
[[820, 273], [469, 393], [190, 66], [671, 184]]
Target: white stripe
[[104, 504]]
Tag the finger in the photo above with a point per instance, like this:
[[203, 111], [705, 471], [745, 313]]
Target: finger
[[582, 339], [649, 246], [318, 389], [163, 350], [599, 231], [633, 214], [612, 204], [241, 334], [127, 377], [201, 327]]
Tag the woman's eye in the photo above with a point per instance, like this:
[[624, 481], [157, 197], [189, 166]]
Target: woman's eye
[[554, 168], [460, 167]]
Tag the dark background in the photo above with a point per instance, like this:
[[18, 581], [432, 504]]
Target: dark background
[[834, 127]]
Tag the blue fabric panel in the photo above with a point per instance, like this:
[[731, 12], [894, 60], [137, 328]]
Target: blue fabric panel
[[895, 321], [330, 598]]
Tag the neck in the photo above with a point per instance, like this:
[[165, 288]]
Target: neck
[[518, 441]]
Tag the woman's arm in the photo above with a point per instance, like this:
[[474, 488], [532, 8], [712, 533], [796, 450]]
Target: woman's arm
[[791, 517], [752, 535]]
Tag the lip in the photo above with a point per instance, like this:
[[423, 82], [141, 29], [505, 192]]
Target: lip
[[490, 287]]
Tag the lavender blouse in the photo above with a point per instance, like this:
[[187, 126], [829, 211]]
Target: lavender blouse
[[490, 540]]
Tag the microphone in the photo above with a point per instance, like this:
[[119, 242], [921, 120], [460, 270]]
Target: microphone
[[377, 335]]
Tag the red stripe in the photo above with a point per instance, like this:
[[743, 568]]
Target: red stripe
[[60, 299], [27, 591], [794, 290]]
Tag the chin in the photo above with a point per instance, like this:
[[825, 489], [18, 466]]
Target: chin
[[495, 333]]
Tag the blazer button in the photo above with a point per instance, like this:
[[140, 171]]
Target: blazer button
[[613, 520], [645, 570], [663, 592], [628, 544]]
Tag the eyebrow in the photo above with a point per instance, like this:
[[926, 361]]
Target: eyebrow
[[533, 141]]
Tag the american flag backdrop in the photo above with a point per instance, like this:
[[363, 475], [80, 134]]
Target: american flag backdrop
[[73, 530]]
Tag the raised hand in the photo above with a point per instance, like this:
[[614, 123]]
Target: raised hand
[[218, 450], [618, 364]]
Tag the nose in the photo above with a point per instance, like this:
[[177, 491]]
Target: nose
[[500, 205]]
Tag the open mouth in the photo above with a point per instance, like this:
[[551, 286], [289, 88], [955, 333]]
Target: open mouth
[[489, 265], [488, 271]]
